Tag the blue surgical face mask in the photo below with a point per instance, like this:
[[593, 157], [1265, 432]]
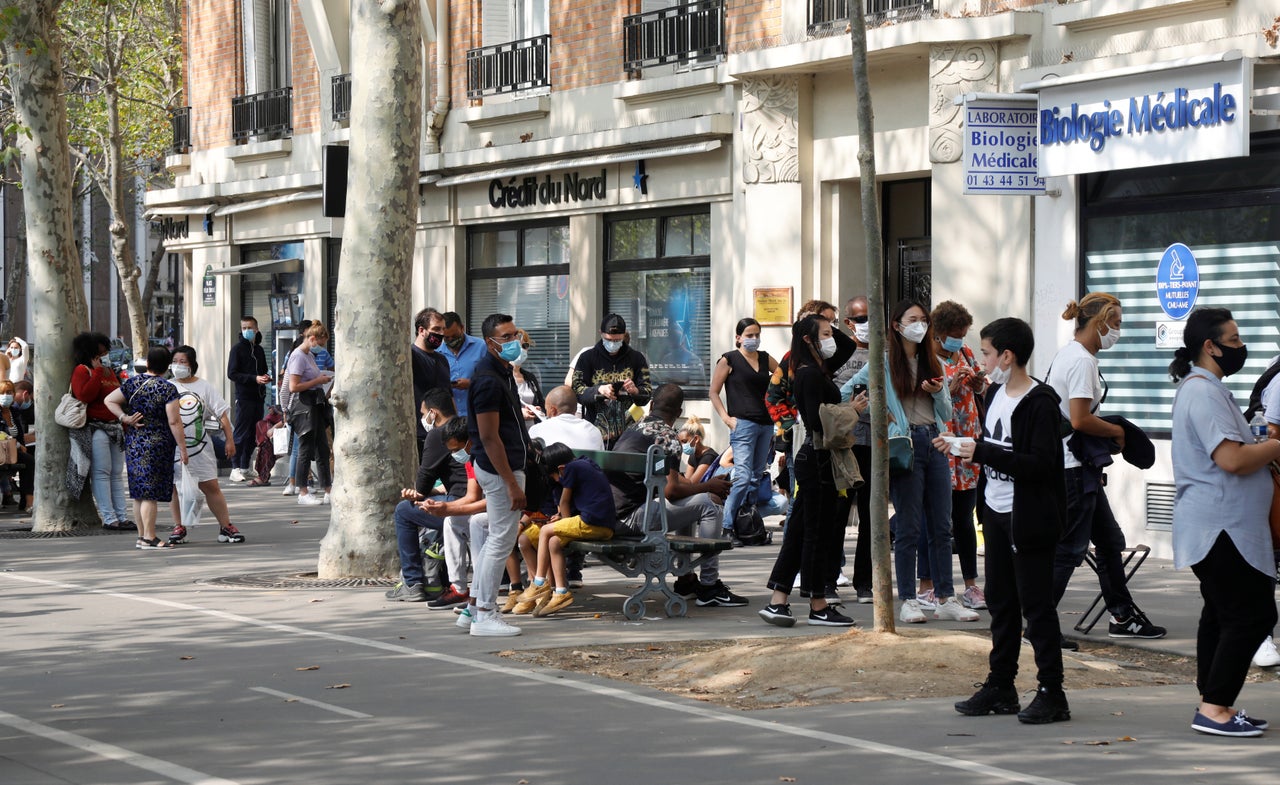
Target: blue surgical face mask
[[315, 349], [688, 448], [248, 334], [952, 344], [611, 347], [509, 351], [6, 400], [461, 456], [24, 405]]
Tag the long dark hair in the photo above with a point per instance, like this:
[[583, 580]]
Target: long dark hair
[[86, 346], [927, 365], [1204, 324], [801, 354]]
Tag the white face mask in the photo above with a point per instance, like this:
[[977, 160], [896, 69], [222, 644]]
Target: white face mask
[[6, 400], [428, 422], [524, 355], [15, 352], [999, 375], [180, 371], [915, 331], [862, 332], [827, 347], [1110, 339]]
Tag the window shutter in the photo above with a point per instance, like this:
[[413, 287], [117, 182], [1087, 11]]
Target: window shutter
[[495, 22], [654, 5], [534, 17]]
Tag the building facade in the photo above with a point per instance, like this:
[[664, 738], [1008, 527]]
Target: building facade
[[686, 164]]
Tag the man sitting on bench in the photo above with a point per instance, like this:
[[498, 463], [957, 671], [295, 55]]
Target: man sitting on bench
[[690, 506], [585, 512]]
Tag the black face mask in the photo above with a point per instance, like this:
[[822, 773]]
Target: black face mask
[[455, 343], [1232, 359], [434, 340]]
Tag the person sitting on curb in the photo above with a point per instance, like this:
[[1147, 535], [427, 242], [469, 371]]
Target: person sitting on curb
[[585, 512], [437, 464]]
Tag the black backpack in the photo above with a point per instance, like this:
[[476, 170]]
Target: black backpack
[[749, 528], [1259, 387]]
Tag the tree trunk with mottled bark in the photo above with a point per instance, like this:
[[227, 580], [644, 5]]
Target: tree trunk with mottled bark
[[881, 552], [32, 52], [119, 229], [374, 450], [148, 291]]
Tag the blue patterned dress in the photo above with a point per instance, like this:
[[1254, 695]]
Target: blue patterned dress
[[148, 448]]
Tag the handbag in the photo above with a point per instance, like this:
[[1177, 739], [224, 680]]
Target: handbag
[[902, 454], [280, 441], [71, 412], [8, 450]]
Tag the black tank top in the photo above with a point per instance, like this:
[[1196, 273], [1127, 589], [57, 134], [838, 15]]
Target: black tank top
[[745, 388]]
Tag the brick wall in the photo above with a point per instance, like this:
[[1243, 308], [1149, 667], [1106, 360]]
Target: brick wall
[[215, 71], [306, 76], [753, 24], [586, 43]]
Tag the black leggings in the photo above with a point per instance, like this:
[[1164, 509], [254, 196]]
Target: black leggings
[[313, 446]]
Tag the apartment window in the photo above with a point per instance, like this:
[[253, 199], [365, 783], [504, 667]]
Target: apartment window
[[504, 21], [524, 271], [267, 50], [658, 278]]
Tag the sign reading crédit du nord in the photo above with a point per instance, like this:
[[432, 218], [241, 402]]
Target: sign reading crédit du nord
[[1176, 114]]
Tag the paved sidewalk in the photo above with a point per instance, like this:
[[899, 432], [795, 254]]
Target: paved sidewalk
[[122, 666]]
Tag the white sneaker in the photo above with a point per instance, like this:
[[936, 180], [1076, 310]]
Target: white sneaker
[[289, 490], [911, 613], [950, 608], [464, 620], [1267, 656], [327, 499], [237, 475], [310, 500], [843, 580], [928, 601], [490, 624]]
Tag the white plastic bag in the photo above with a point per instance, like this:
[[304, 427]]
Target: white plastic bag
[[190, 499], [280, 441]]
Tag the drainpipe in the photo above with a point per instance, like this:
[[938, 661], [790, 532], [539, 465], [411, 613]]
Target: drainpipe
[[440, 108]]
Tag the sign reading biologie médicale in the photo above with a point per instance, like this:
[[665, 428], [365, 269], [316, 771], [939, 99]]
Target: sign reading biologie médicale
[[1194, 112]]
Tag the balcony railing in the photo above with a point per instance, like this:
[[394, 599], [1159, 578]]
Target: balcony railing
[[180, 121], [341, 95], [688, 33], [827, 17], [506, 68], [268, 114]]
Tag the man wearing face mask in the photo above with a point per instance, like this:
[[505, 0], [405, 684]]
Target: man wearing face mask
[[462, 352], [430, 368], [856, 321], [1074, 376], [247, 370], [23, 401], [609, 378]]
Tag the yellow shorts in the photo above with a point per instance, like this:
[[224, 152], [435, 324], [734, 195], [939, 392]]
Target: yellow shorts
[[570, 529]]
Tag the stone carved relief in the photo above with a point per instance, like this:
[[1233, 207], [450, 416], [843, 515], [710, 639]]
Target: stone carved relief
[[770, 113], [953, 71]]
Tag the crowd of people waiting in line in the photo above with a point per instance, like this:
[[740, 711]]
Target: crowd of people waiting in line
[[972, 434]]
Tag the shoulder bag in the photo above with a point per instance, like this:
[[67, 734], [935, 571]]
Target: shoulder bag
[[71, 412]]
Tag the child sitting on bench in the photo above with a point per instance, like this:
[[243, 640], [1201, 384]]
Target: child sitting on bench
[[585, 512]]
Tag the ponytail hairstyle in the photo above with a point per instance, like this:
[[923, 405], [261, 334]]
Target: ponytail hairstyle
[[743, 324], [802, 351], [927, 364], [1204, 324], [1094, 309]]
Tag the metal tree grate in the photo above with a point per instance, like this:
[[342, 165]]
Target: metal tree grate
[[294, 580], [23, 532]]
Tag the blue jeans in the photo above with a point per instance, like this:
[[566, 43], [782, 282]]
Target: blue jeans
[[107, 475], [922, 497], [751, 451], [409, 519]]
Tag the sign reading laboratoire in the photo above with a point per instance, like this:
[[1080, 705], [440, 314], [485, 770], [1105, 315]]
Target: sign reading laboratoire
[[1177, 281], [1000, 150], [1173, 115], [209, 290]]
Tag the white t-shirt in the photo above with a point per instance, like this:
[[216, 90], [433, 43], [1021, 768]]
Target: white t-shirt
[[570, 430], [201, 408], [999, 491], [1074, 375], [1271, 397]]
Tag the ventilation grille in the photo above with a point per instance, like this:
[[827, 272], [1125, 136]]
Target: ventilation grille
[[1160, 506]]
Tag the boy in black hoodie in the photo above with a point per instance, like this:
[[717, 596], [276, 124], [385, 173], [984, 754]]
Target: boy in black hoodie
[[1022, 503]]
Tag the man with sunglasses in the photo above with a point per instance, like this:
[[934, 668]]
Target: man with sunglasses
[[855, 321]]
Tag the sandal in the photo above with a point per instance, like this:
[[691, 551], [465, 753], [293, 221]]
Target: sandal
[[113, 527], [152, 544]]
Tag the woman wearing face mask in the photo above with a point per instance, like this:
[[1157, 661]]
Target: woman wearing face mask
[[308, 410], [1074, 376], [16, 427], [147, 406], [701, 458], [920, 409], [811, 542], [18, 359], [951, 323], [91, 382], [201, 406], [1227, 545], [526, 380], [744, 375]]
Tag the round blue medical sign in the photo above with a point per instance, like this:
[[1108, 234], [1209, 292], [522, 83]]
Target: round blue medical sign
[[1177, 281]]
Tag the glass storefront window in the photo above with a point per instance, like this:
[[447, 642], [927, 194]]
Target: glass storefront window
[[665, 295]]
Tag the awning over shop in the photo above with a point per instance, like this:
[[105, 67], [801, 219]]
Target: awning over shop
[[647, 153], [268, 266], [258, 204], [180, 209]]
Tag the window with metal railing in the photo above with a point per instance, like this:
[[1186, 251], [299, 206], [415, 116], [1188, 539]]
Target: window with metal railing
[[180, 121], [687, 33], [340, 92], [510, 67], [829, 17], [268, 114]]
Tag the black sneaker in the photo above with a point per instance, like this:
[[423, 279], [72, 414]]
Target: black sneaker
[[833, 596], [450, 598], [1135, 625], [403, 593], [1067, 644], [990, 699], [830, 617], [778, 615], [1049, 705], [718, 595], [865, 596], [686, 586]]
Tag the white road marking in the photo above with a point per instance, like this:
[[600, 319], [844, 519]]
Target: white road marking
[[560, 681], [318, 704], [164, 768]]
